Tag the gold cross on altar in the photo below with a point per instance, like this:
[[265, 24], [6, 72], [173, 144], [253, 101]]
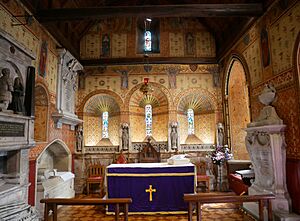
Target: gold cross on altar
[[150, 190]]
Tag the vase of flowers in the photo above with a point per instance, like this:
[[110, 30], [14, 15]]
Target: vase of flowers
[[218, 157]]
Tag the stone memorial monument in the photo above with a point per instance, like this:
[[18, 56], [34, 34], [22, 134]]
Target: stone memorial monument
[[266, 145]]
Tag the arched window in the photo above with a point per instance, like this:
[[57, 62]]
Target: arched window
[[148, 119], [148, 41], [105, 124], [190, 116]]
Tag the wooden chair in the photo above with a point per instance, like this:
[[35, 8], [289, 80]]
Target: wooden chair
[[201, 174], [96, 174]]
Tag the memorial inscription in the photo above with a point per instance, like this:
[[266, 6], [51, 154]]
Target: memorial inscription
[[8, 129]]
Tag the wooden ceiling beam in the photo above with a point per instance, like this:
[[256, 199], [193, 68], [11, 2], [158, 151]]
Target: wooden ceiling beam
[[187, 10], [151, 60]]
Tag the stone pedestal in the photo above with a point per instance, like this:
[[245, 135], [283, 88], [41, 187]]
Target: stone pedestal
[[266, 147]]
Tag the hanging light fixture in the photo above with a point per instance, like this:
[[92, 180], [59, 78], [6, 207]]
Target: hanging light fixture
[[146, 88]]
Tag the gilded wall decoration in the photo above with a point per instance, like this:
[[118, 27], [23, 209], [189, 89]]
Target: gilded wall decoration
[[91, 128], [283, 34], [205, 127], [90, 46]]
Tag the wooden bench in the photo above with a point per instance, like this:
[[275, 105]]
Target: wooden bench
[[52, 203], [200, 199]]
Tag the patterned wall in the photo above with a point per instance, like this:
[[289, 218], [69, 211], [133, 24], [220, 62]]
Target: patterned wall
[[283, 26], [205, 127], [178, 37], [238, 102], [138, 128], [92, 130], [160, 127]]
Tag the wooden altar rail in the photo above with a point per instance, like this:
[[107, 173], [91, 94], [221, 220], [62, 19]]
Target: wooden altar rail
[[52, 203], [200, 199]]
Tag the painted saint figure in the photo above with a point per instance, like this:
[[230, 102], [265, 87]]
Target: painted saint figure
[[6, 88]]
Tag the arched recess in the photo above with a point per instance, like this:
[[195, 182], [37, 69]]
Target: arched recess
[[41, 113], [204, 105], [94, 107], [159, 101], [237, 106], [55, 155]]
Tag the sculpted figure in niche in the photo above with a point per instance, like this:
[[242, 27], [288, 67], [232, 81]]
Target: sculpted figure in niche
[[17, 104], [79, 138], [220, 134], [125, 136], [6, 87], [174, 136]]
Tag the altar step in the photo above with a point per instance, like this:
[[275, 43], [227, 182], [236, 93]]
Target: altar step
[[17, 212]]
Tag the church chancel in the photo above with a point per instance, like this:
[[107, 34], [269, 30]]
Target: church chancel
[[153, 187]]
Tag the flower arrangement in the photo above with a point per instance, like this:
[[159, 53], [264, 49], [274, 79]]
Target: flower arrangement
[[220, 154]]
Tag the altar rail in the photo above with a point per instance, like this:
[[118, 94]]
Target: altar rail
[[200, 199], [52, 203]]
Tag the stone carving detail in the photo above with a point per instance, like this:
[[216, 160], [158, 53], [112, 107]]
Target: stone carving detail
[[6, 87], [124, 137], [268, 114], [173, 136], [259, 149]]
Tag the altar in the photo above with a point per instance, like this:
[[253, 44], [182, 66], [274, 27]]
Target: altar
[[153, 187]]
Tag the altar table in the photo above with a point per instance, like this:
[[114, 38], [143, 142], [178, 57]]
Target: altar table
[[153, 187]]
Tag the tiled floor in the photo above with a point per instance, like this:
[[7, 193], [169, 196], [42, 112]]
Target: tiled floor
[[214, 212]]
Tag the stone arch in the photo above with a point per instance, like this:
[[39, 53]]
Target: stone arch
[[205, 121], [296, 61], [117, 98], [157, 85], [56, 155], [41, 105], [237, 105], [213, 97]]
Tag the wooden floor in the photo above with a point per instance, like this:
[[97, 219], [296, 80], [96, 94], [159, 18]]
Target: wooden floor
[[217, 212]]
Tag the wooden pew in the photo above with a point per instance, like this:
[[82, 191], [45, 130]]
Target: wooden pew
[[52, 203], [200, 199]]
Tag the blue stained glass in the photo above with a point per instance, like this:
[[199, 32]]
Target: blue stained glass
[[190, 116], [148, 41], [148, 119], [105, 124]]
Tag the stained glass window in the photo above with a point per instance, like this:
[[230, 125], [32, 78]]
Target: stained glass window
[[190, 116], [105, 124], [148, 41], [148, 119]]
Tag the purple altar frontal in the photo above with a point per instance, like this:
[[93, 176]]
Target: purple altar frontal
[[153, 187]]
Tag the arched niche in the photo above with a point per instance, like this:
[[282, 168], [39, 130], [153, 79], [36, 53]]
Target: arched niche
[[41, 114], [237, 110], [55, 156], [204, 108], [160, 114], [92, 117]]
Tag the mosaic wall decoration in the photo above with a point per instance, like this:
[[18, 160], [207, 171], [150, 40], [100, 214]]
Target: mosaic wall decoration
[[253, 57], [283, 34], [183, 127], [205, 45], [176, 44], [160, 127], [119, 45], [138, 128]]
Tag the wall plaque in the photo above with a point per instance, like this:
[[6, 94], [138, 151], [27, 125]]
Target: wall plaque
[[9, 129]]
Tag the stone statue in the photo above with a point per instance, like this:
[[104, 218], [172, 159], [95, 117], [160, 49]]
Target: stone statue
[[125, 136], [6, 87], [220, 133], [79, 138], [17, 104], [268, 115], [174, 136]]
